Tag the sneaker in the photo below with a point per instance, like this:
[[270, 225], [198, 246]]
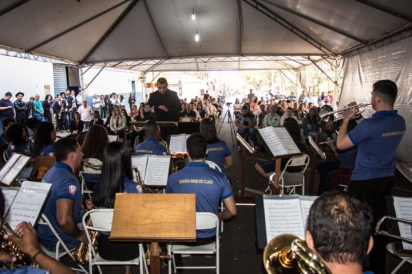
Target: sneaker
[[239, 148], [256, 148]]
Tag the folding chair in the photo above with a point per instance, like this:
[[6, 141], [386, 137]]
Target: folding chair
[[80, 138], [222, 206], [204, 220], [391, 249], [57, 254], [102, 222], [6, 155], [291, 180], [90, 174]]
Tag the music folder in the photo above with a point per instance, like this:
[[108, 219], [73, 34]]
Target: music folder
[[178, 143], [153, 169], [12, 168], [279, 214]]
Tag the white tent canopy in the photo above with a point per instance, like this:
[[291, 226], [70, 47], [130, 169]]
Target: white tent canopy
[[149, 35]]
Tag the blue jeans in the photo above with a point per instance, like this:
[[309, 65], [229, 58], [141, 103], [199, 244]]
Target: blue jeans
[[39, 118], [251, 132]]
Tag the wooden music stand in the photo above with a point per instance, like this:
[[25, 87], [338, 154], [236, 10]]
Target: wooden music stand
[[159, 218], [242, 192], [41, 161], [313, 164]]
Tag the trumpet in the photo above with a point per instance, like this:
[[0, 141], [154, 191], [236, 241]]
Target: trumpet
[[386, 233], [338, 114]]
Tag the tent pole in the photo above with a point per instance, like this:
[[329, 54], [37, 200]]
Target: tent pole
[[335, 90]]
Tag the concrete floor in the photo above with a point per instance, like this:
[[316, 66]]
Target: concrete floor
[[238, 251]]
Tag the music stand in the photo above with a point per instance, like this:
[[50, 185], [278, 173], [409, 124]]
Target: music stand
[[245, 146], [41, 161], [316, 151], [160, 218]]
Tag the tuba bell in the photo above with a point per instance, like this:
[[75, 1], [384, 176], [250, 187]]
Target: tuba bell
[[288, 253]]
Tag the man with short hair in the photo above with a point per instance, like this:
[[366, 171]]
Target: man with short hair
[[79, 99], [251, 95], [246, 122], [6, 108], [339, 230], [271, 119], [38, 109], [288, 114], [151, 145], [85, 112], [70, 100], [58, 108], [206, 95], [377, 139], [20, 108], [63, 204], [291, 96], [96, 102]]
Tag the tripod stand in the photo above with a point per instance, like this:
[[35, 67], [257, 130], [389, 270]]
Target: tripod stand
[[231, 125]]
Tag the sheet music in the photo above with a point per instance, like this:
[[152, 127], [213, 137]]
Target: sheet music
[[283, 216], [279, 141], [317, 149], [28, 203], [9, 195], [403, 210], [13, 159], [178, 143], [112, 138], [62, 134], [140, 162], [15, 169], [157, 170], [305, 204]]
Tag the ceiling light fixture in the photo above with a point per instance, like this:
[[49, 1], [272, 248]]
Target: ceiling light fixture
[[193, 15], [197, 36]]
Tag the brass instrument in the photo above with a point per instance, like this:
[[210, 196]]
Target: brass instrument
[[10, 248], [288, 253], [81, 253], [139, 180], [387, 234], [338, 114], [174, 165]]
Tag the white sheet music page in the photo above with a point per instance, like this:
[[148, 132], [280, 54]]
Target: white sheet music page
[[28, 203], [178, 143], [157, 170], [9, 194], [403, 209], [112, 138], [140, 162], [283, 216], [305, 204], [15, 169], [279, 141], [12, 160]]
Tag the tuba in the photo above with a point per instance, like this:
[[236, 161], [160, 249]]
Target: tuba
[[10, 248], [288, 253], [81, 253]]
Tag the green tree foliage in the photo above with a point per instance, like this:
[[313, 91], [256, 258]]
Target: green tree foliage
[[257, 79]]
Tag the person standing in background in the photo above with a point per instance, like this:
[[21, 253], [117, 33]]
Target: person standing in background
[[73, 106], [103, 109], [38, 109], [20, 108], [47, 103], [85, 112], [6, 109], [96, 103], [132, 100]]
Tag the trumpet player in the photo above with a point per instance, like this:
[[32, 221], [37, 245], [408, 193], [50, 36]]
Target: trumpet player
[[377, 139]]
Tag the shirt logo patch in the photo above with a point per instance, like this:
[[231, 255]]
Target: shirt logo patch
[[72, 189]]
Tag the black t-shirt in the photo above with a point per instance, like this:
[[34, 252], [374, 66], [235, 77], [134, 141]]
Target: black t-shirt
[[7, 112], [206, 96], [190, 114]]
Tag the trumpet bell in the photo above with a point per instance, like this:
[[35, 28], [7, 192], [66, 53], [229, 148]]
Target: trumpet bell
[[278, 257]]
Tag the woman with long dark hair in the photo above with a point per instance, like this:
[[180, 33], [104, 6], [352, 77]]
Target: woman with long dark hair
[[116, 177], [76, 125], [16, 135], [310, 124], [44, 140], [47, 103], [95, 142], [219, 152]]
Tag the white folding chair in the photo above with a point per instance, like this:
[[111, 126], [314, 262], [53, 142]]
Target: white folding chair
[[291, 180], [391, 249], [102, 222], [222, 206], [204, 220], [57, 254], [89, 170]]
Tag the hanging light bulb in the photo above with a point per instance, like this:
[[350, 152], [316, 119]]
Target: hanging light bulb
[[193, 15], [197, 36]]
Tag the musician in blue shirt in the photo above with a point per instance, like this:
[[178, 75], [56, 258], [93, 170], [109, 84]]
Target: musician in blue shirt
[[377, 139], [44, 140], [151, 145]]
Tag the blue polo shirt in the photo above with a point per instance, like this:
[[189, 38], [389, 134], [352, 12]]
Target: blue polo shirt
[[209, 185], [131, 186], [64, 186], [217, 153], [48, 150], [24, 270], [12, 148], [377, 139], [150, 146]]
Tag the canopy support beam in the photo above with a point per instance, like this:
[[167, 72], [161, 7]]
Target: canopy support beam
[[287, 77], [385, 10], [13, 7], [110, 30], [155, 65], [316, 65], [239, 9]]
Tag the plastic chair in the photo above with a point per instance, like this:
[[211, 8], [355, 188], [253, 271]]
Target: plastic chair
[[57, 254], [405, 259], [222, 207], [102, 222], [204, 220], [6, 155], [291, 180]]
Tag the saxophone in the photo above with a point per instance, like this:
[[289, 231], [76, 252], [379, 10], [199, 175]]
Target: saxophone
[[174, 165], [81, 253], [10, 248], [139, 180]]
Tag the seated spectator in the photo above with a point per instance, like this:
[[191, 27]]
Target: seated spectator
[[128, 118], [261, 115], [95, 142], [327, 125], [331, 225], [76, 125], [118, 123], [151, 145], [310, 124], [201, 112], [218, 151], [96, 119], [188, 113], [271, 119], [63, 204], [246, 122], [288, 114]]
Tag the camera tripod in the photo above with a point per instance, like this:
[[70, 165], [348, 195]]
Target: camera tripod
[[231, 125]]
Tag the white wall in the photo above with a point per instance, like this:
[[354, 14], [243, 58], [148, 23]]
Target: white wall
[[27, 76]]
